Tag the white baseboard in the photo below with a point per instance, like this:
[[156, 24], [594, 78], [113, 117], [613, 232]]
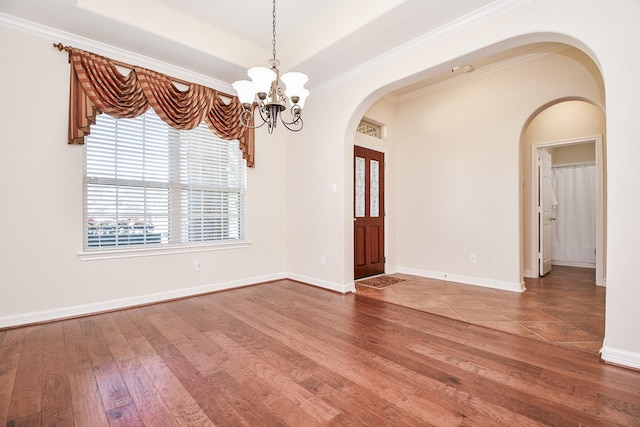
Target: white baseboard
[[85, 309], [573, 264], [468, 280], [620, 357], [336, 287], [118, 304]]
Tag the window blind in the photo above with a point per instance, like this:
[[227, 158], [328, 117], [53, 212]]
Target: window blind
[[146, 183]]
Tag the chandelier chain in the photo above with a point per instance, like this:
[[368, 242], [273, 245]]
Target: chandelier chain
[[266, 93], [274, 30]]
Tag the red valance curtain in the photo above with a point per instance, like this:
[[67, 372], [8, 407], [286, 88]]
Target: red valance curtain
[[98, 87]]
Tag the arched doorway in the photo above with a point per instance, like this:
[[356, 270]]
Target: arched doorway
[[575, 129], [454, 150]]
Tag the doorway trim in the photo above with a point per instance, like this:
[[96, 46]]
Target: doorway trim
[[600, 205], [380, 145], [372, 238]]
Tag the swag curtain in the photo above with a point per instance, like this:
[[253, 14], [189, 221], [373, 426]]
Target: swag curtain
[[97, 86]]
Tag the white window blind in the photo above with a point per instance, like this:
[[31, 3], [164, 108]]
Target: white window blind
[[146, 183]]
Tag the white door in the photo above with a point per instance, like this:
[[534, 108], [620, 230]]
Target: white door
[[545, 210]]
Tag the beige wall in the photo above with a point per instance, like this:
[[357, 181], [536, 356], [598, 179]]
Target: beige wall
[[384, 112], [41, 274], [437, 241], [574, 153], [453, 161]]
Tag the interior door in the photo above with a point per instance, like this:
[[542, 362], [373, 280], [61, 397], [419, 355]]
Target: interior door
[[368, 212], [545, 210]]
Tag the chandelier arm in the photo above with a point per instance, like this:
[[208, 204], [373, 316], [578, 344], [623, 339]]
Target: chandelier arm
[[244, 122], [297, 121], [296, 116]]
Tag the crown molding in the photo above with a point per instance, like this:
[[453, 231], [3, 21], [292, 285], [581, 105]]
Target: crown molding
[[483, 14], [56, 35]]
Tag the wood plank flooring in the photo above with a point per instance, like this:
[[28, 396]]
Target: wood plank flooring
[[565, 307], [288, 354]]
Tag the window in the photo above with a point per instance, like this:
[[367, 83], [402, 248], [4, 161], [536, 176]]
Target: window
[[367, 127], [149, 185]]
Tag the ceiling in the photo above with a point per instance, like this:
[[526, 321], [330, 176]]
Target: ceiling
[[222, 38]]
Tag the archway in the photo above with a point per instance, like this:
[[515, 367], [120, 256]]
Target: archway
[[452, 168], [467, 118], [563, 123]]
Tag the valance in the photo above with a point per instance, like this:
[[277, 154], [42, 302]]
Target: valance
[[97, 86]]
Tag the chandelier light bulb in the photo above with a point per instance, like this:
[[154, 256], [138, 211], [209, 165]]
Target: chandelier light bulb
[[246, 92], [302, 97], [294, 81], [262, 78]]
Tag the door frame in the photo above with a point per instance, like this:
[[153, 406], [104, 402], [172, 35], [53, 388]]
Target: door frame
[[600, 202], [545, 208], [377, 145], [372, 242]]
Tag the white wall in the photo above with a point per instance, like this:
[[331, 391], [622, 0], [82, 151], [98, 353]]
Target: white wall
[[610, 35], [297, 211], [41, 275]]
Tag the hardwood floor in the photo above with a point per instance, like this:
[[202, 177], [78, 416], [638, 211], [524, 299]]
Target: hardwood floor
[[284, 353], [564, 307]]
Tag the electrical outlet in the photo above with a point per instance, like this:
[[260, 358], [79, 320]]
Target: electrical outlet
[[198, 264], [473, 259]]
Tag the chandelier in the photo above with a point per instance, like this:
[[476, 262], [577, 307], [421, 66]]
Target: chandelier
[[266, 93]]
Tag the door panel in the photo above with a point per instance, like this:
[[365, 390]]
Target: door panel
[[359, 246], [545, 210], [369, 212], [375, 245]]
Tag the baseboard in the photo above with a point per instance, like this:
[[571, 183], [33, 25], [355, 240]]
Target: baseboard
[[620, 357], [573, 264], [100, 307], [336, 287], [467, 280]]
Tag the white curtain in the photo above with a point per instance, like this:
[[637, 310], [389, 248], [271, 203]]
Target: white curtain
[[574, 231]]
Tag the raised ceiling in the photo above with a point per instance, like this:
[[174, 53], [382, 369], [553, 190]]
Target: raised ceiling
[[223, 38]]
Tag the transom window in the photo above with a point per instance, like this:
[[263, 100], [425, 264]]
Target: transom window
[[367, 127], [147, 184]]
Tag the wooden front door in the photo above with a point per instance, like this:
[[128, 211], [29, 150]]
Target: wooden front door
[[368, 212]]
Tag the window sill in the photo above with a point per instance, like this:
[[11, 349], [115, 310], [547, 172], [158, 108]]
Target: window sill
[[90, 255]]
